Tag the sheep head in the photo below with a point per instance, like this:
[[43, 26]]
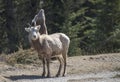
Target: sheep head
[[33, 32]]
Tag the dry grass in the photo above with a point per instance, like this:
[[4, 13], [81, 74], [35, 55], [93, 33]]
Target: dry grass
[[117, 69], [21, 57], [117, 76]]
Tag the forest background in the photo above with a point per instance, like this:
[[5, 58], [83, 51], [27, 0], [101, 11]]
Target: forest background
[[92, 25]]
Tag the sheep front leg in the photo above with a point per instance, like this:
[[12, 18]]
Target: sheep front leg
[[48, 67], [43, 75]]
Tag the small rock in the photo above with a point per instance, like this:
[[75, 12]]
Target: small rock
[[84, 59], [91, 58]]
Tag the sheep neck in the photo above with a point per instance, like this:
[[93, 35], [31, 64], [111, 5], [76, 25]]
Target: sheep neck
[[37, 44]]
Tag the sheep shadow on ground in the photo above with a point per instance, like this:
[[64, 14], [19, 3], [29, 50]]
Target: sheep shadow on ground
[[21, 77]]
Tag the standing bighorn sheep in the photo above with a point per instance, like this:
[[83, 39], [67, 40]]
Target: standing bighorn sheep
[[39, 19], [48, 46]]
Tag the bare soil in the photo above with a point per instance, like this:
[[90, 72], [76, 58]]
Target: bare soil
[[96, 68]]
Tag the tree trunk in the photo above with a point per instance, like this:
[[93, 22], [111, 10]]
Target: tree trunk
[[10, 24]]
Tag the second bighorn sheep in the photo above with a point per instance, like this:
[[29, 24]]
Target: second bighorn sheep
[[48, 46], [39, 19]]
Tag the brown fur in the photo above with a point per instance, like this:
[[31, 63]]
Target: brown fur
[[46, 49]]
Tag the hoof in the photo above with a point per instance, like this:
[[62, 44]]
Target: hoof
[[57, 75], [64, 75], [43, 75], [48, 76]]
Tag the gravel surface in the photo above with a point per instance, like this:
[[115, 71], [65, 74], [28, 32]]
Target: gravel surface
[[98, 68], [91, 77]]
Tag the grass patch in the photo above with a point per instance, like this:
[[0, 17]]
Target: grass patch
[[23, 57], [117, 76], [117, 69]]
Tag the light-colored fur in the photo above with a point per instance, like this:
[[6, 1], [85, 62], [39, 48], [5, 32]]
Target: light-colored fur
[[48, 46], [39, 19]]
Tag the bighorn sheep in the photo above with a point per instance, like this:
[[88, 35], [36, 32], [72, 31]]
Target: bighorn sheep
[[48, 46], [39, 19]]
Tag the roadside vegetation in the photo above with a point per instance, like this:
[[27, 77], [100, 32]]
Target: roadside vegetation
[[21, 57]]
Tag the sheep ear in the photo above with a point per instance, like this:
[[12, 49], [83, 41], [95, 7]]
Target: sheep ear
[[38, 27], [27, 29]]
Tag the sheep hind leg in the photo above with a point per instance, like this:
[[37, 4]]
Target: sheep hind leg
[[43, 74], [60, 67], [65, 63]]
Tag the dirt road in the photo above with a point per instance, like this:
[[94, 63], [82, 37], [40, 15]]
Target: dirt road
[[99, 68], [91, 77]]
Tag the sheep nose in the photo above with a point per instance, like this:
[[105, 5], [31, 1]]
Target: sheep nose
[[34, 36]]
